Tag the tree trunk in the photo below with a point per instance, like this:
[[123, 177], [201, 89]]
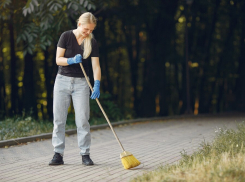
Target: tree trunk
[[49, 85], [147, 104], [107, 83], [13, 80], [220, 73], [30, 104], [132, 35], [220, 101], [240, 86], [2, 81], [203, 104], [165, 25]]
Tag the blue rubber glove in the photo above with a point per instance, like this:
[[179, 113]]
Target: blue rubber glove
[[96, 92], [75, 60]]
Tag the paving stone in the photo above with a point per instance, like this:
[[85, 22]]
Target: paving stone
[[153, 143]]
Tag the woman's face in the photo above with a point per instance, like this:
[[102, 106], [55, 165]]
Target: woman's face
[[86, 29]]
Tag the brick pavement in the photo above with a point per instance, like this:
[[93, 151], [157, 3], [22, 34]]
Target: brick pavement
[[152, 143]]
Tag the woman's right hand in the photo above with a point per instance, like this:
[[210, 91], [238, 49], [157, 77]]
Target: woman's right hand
[[75, 60]]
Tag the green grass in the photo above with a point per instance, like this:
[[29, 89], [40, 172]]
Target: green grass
[[17, 127], [22, 127], [222, 160]]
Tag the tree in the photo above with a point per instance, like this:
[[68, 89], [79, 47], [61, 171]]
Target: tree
[[240, 86], [44, 21]]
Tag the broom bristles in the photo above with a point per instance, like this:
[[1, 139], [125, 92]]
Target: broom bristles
[[129, 162]]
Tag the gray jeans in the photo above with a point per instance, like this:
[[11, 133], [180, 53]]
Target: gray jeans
[[66, 88]]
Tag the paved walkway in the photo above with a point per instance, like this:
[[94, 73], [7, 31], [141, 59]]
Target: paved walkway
[[152, 143]]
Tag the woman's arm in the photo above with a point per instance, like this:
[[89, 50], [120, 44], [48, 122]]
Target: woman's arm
[[96, 68], [60, 59]]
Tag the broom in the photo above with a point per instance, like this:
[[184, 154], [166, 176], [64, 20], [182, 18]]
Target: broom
[[128, 160]]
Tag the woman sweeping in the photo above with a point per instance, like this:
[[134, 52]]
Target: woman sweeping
[[75, 47]]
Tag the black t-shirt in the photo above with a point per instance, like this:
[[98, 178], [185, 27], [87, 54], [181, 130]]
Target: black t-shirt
[[69, 42]]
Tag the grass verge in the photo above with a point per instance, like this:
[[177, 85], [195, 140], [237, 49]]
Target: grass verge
[[17, 127], [22, 127], [221, 161]]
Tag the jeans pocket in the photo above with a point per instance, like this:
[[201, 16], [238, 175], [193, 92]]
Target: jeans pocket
[[59, 76]]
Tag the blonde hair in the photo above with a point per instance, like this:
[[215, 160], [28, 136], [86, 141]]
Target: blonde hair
[[87, 18]]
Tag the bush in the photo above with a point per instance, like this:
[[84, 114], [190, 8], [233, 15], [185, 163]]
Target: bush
[[111, 109]]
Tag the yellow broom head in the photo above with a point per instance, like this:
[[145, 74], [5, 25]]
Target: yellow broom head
[[128, 160]]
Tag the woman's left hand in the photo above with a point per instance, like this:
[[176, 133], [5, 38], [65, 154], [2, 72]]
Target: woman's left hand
[[96, 92]]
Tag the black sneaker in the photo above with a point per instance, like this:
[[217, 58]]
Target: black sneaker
[[86, 160], [57, 159]]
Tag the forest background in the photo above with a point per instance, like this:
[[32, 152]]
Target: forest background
[[157, 57]]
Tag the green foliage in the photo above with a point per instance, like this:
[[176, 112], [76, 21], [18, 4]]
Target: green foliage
[[28, 34], [142, 53], [4, 10], [111, 109], [27, 126], [15, 128], [21, 127], [49, 17]]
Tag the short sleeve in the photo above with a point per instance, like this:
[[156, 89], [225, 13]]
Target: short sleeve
[[62, 41], [95, 49]]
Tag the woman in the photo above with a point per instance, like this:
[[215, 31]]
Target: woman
[[75, 47]]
